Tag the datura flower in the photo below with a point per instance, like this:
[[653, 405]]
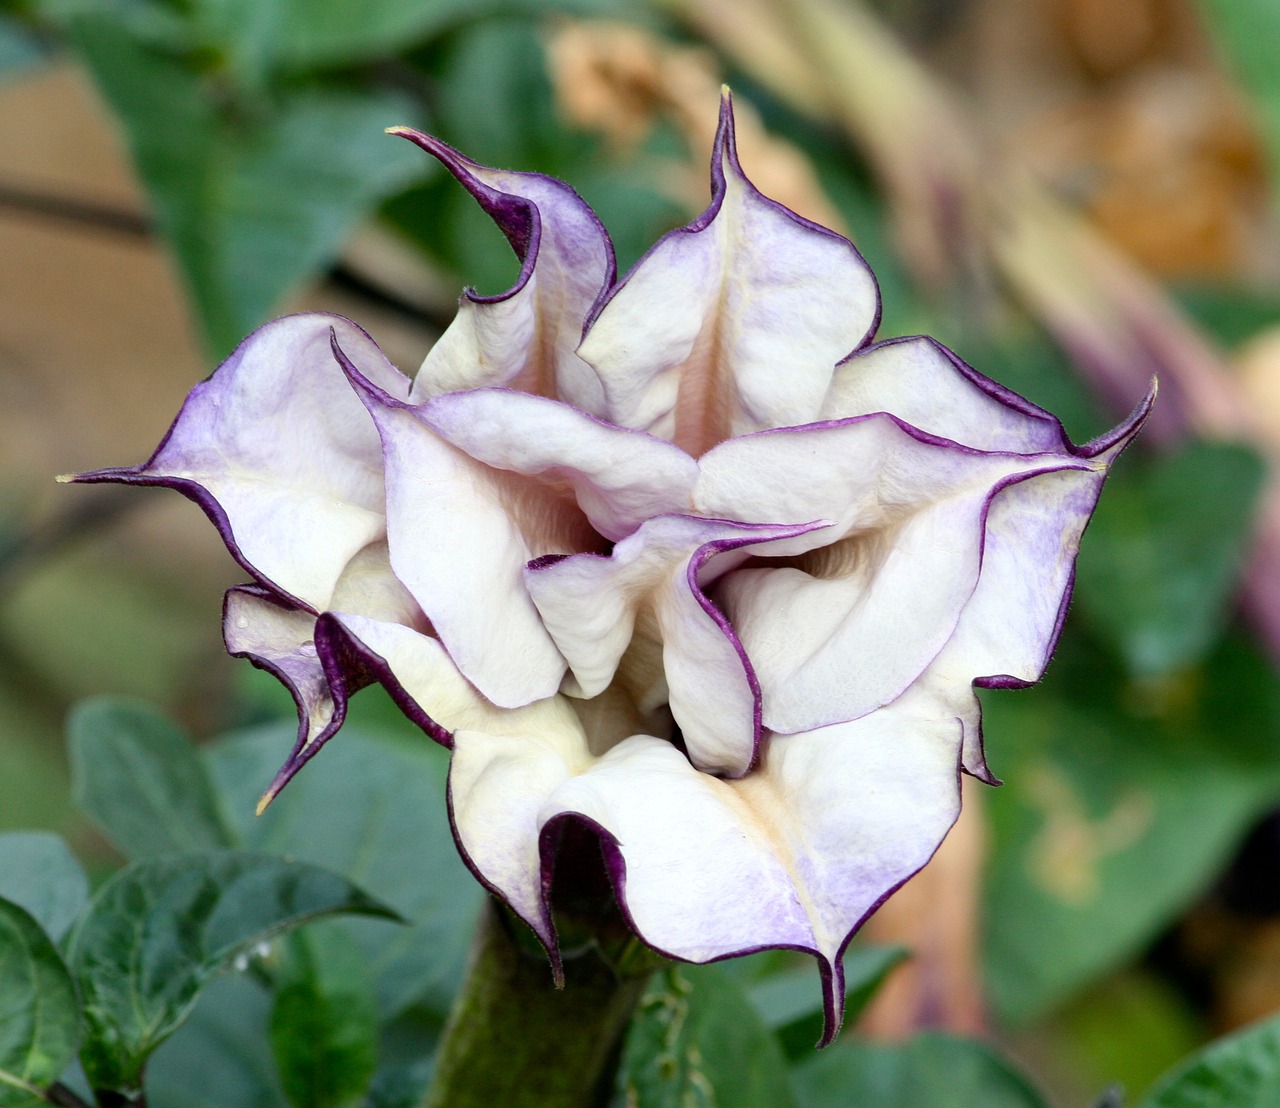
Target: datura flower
[[685, 559]]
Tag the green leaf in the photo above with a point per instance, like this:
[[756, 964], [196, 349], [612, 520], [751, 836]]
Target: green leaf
[[161, 929], [1160, 562], [927, 1070], [39, 873], [324, 1027], [326, 32], [141, 779], [1240, 1071], [375, 811], [697, 1042], [252, 197], [220, 1056], [39, 1014], [1121, 805], [790, 1002]]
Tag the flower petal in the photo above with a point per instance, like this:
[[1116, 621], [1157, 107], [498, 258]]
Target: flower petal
[[923, 383], [460, 533], [619, 477], [526, 337], [826, 633], [797, 854], [733, 323], [591, 606], [281, 455]]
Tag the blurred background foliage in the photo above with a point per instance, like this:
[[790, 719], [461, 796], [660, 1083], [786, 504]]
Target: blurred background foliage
[[1075, 195]]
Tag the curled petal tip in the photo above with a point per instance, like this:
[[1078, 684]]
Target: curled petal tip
[[264, 801], [399, 129], [66, 478]]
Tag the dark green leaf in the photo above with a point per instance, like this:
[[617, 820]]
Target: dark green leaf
[[324, 32], [1240, 1071], [141, 780], [929, 1070], [374, 811], [1121, 804], [161, 929], [698, 1042], [1160, 561], [39, 873], [220, 1056], [253, 197], [324, 1027], [39, 1014]]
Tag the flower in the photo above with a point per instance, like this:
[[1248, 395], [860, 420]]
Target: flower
[[685, 559]]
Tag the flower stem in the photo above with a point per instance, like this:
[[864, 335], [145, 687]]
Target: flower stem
[[516, 1040]]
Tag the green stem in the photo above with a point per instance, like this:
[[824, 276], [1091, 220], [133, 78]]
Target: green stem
[[514, 1039]]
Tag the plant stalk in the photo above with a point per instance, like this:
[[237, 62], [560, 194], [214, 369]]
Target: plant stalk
[[516, 1040]]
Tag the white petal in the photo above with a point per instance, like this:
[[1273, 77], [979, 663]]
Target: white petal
[[734, 323], [619, 477], [591, 605], [922, 383], [525, 338], [281, 454]]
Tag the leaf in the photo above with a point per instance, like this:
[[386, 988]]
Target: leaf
[[1163, 553], [374, 811], [324, 1027], [220, 1056], [1240, 1071], [252, 197], [927, 1070], [141, 780], [325, 32], [1122, 804], [790, 1002], [39, 873], [39, 1013], [161, 929], [696, 1042]]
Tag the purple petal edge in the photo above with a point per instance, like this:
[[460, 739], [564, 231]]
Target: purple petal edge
[[349, 666], [516, 217], [725, 148]]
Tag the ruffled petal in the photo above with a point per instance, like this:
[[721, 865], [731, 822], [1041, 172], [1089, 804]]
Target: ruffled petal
[[619, 477], [1007, 632], [795, 855], [733, 323], [923, 383], [826, 633], [656, 578], [460, 533], [526, 337], [281, 455]]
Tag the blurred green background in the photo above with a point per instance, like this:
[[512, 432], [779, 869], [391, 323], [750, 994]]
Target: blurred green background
[[1073, 194]]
